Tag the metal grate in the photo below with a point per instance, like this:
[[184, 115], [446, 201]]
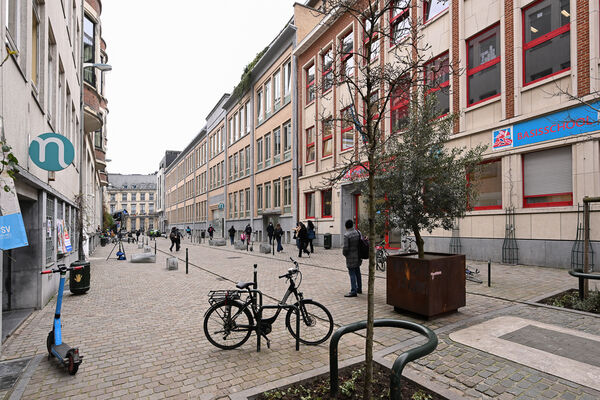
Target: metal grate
[[577, 251], [510, 249], [49, 229], [455, 246]]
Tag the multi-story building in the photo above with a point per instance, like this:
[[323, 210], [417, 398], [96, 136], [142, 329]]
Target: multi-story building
[[170, 156], [519, 57], [137, 195], [41, 91]]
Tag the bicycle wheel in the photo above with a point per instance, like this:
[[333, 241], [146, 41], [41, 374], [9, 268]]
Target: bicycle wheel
[[228, 325], [380, 260], [316, 324]]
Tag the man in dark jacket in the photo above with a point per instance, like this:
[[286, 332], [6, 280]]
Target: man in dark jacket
[[270, 230], [248, 231], [232, 234], [353, 260], [211, 231]]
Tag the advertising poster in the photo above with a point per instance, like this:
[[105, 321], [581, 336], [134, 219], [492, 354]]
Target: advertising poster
[[60, 237], [12, 229]]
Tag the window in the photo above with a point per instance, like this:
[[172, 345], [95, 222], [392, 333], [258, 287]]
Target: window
[[113, 197], [242, 122], [247, 160], [277, 194], [230, 205], [287, 140], [259, 101], [489, 186], [247, 113], [310, 84], [483, 70], [247, 196], [143, 196], [431, 8], [326, 204], [133, 208], [268, 195], [310, 144], [124, 197], [89, 49], [151, 196], [236, 128], [399, 108], [327, 137], [277, 89], [371, 41], [268, 99], [347, 129], [287, 81], [235, 166], [277, 145], [310, 204], [287, 192], [546, 45], [12, 22], [437, 80], [327, 70], [547, 178], [150, 207], [112, 208], [235, 205], [142, 209], [399, 20], [347, 54], [259, 154], [267, 150], [259, 197], [241, 196], [35, 45], [241, 163], [230, 169]]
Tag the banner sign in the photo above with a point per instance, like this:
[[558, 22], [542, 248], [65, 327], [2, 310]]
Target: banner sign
[[12, 232], [571, 122], [51, 151], [62, 236]]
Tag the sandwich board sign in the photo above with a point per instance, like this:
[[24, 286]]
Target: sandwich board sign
[[51, 151]]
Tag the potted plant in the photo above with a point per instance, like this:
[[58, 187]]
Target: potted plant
[[425, 187]]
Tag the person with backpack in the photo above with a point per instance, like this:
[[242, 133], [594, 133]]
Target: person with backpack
[[270, 230], [188, 231], [278, 233], [211, 231], [137, 236], [232, 234], [175, 237], [248, 232], [302, 236], [310, 228], [351, 251]]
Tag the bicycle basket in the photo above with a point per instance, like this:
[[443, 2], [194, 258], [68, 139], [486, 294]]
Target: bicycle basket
[[217, 296]]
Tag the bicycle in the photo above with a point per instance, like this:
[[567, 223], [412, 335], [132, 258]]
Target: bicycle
[[381, 256], [472, 275], [230, 320]]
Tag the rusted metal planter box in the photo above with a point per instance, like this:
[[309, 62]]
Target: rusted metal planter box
[[426, 286]]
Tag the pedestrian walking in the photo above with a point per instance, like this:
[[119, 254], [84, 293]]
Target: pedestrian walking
[[188, 232], [248, 232], [310, 227], [232, 234], [353, 260], [211, 231], [270, 230], [278, 233], [137, 236], [302, 239], [175, 238]]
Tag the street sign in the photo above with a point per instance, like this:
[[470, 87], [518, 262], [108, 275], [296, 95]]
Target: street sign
[[51, 151], [221, 206]]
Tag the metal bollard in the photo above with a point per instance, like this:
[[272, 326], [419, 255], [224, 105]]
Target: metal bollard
[[154, 246], [186, 260], [489, 273], [255, 277]]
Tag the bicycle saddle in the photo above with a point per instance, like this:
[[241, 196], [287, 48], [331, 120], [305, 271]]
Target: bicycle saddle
[[244, 285]]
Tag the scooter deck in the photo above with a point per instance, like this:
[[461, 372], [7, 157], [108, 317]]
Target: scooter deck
[[61, 350]]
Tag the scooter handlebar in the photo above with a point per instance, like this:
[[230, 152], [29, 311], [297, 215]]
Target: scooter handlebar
[[60, 268]]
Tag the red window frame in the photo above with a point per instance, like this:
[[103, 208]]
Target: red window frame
[[310, 85], [394, 21], [327, 74], [426, 5], [499, 207], [310, 145], [306, 203], [486, 65], [366, 42], [326, 138], [442, 85], [403, 103], [346, 56], [323, 192], [348, 128], [538, 41], [545, 204]]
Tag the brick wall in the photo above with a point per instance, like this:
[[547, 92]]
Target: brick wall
[[509, 55], [583, 47], [456, 62]]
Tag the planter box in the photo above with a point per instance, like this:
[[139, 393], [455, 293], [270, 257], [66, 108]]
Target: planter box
[[429, 286]]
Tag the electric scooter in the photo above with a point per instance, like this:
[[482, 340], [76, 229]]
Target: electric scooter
[[68, 356]]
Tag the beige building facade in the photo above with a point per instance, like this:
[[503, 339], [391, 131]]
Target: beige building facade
[[137, 195]]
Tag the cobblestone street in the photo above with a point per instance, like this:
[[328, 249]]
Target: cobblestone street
[[140, 330]]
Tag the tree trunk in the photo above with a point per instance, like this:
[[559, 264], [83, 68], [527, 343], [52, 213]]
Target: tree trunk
[[371, 289], [420, 242]]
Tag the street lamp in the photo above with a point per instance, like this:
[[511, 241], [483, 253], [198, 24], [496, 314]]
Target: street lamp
[[103, 68]]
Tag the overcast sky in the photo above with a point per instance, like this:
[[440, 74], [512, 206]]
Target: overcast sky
[[172, 61]]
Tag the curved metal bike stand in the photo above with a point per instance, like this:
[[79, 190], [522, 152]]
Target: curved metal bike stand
[[582, 276], [399, 364]]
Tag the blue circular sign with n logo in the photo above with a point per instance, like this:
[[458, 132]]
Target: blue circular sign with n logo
[[51, 151]]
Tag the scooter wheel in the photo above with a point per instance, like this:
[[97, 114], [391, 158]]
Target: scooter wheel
[[71, 366], [50, 342]]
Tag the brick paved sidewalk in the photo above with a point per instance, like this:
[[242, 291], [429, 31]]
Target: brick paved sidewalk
[[140, 330]]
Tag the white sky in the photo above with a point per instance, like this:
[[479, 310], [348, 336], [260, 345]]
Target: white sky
[[172, 61]]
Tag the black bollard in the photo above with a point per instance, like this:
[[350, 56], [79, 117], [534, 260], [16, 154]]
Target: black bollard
[[186, 260], [154, 246], [489, 273], [255, 277]]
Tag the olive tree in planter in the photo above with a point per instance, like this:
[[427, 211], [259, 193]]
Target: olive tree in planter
[[426, 187]]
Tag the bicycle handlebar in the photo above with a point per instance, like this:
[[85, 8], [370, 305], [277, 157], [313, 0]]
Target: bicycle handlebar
[[61, 268]]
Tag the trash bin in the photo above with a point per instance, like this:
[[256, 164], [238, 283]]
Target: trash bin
[[103, 241], [79, 281], [327, 240], [203, 234]]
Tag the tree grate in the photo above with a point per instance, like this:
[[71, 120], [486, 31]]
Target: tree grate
[[578, 249], [510, 248]]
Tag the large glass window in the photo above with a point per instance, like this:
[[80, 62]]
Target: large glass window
[[259, 154], [548, 178], [327, 135], [399, 108], [277, 145], [267, 150], [489, 186], [484, 65], [12, 21], [259, 103], [247, 159], [89, 49], [437, 81], [287, 140], [546, 45], [310, 144], [268, 99], [399, 20], [277, 89], [310, 83], [310, 204], [287, 191], [326, 209], [327, 68], [370, 43], [276, 193], [259, 197], [268, 195], [347, 54], [347, 123], [287, 80], [431, 8], [35, 44]]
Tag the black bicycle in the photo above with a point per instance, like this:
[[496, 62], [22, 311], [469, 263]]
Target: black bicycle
[[230, 320], [381, 256]]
